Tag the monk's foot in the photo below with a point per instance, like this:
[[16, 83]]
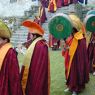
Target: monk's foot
[[66, 90], [93, 73], [65, 81], [74, 93]]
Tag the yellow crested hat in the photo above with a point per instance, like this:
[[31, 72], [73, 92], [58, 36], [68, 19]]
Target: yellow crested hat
[[33, 27], [4, 30], [76, 22]]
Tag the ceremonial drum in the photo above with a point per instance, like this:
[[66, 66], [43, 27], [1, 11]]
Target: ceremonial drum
[[91, 12], [60, 26], [89, 21]]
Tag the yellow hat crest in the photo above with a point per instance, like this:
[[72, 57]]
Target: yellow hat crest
[[76, 22]]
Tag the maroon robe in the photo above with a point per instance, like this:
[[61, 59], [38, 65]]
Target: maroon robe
[[59, 3], [29, 39], [73, 1], [66, 2], [51, 7], [37, 20], [29, 36], [79, 72], [45, 3], [9, 75], [91, 53], [53, 42], [37, 83], [43, 16]]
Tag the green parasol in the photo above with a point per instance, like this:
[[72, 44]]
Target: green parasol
[[60, 26], [89, 22]]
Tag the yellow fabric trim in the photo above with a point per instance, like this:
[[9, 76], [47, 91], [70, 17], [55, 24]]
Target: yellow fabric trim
[[76, 22], [3, 51], [27, 60], [55, 7], [49, 6], [40, 11], [54, 2], [73, 47]]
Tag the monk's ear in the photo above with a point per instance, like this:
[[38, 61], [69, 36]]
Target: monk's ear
[[6, 40], [74, 30]]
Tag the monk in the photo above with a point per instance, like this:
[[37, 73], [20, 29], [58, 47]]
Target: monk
[[78, 69], [35, 71], [9, 68], [53, 42], [52, 7], [91, 53], [42, 14], [29, 36], [37, 20]]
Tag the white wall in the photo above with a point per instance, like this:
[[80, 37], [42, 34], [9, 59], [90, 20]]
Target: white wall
[[15, 9]]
